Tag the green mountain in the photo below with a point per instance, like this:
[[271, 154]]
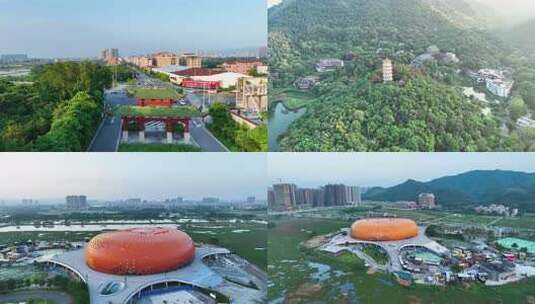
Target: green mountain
[[422, 110], [315, 28], [512, 188]]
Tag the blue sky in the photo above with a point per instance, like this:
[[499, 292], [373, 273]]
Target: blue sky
[[74, 28], [124, 175], [386, 169]]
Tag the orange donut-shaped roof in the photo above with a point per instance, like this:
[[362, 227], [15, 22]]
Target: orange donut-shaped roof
[[384, 229], [139, 251]]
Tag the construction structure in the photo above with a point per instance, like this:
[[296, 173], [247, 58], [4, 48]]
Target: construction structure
[[251, 94], [110, 56]]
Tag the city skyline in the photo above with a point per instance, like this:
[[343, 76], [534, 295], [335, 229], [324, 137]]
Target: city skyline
[[385, 169], [52, 176], [83, 29]]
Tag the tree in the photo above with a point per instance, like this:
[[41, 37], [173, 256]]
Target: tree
[[527, 91], [517, 108]]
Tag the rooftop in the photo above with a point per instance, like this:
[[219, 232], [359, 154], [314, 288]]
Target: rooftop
[[156, 93]]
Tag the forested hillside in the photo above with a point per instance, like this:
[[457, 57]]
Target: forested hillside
[[423, 109]]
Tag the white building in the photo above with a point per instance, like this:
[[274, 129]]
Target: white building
[[329, 65], [525, 122], [497, 82], [499, 87], [226, 79]]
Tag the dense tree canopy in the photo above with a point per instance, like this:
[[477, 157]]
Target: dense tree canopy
[[32, 115], [233, 135]]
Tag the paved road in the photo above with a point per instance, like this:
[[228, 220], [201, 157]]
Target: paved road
[[23, 296], [109, 135], [204, 138]]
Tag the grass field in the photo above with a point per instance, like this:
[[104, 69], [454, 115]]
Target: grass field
[[182, 111], [158, 148], [523, 222], [348, 281], [295, 99]]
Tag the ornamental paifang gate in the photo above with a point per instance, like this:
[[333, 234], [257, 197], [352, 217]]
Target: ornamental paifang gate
[[170, 123]]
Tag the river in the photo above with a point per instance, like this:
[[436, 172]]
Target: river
[[279, 121]]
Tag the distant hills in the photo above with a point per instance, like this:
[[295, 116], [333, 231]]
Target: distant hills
[[515, 189]]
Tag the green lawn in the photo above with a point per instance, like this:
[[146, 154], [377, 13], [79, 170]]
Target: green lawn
[[183, 111], [158, 148], [376, 253], [156, 93]]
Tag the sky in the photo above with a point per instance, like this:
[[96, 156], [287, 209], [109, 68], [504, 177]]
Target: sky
[[102, 176], [80, 28], [386, 169]]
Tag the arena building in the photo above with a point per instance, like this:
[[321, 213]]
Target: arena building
[[138, 266], [391, 234], [384, 229]]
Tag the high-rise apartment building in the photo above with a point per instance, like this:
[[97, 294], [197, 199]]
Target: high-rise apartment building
[[284, 197], [76, 201]]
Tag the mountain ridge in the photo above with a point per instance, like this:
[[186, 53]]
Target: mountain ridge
[[514, 188]]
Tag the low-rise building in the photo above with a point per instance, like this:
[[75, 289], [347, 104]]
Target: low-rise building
[[307, 83], [242, 66], [498, 82], [497, 209], [329, 65], [426, 200], [498, 271], [525, 122]]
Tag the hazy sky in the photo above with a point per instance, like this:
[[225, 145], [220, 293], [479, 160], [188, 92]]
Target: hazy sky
[[513, 9], [386, 169], [80, 28], [120, 175]]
